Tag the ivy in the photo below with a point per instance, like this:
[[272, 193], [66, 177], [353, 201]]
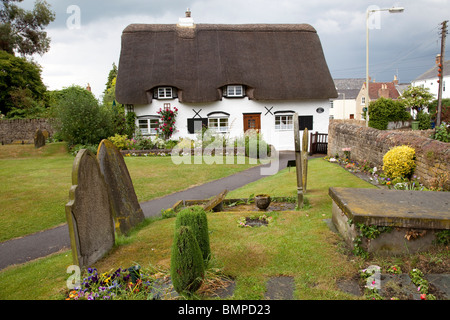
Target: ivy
[[369, 232]]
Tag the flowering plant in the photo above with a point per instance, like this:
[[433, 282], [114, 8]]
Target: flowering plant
[[113, 285], [394, 270], [399, 161], [167, 126]]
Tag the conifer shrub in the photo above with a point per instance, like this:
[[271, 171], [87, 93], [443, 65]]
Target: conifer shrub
[[399, 162], [195, 218], [186, 265]]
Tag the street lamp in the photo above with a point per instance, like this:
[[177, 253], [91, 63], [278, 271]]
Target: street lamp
[[369, 11]]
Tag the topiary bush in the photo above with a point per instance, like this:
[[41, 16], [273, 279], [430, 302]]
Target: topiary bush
[[186, 265], [195, 218], [399, 162]]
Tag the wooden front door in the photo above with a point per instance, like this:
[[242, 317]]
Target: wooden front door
[[252, 121]]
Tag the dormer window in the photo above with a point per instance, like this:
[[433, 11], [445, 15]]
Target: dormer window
[[235, 91], [165, 93]]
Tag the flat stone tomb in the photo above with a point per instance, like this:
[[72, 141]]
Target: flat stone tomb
[[416, 217]]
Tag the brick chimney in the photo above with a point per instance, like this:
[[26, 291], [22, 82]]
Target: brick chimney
[[395, 82], [383, 91]]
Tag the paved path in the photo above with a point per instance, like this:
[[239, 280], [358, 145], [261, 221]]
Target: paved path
[[43, 243]]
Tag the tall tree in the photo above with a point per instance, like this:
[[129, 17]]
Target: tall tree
[[22, 31], [21, 86]]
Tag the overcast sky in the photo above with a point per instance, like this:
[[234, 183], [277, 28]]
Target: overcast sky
[[86, 34]]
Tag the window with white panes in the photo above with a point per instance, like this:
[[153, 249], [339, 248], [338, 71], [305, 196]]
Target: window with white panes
[[284, 122], [218, 124], [235, 91], [165, 93], [148, 126]]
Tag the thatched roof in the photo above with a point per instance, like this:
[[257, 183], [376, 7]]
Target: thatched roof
[[274, 62]]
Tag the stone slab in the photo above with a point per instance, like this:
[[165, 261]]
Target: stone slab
[[397, 208], [39, 139], [216, 201], [88, 211], [280, 288], [125, 206]]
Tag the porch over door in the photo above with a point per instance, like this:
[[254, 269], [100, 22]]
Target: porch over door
[[252, 121]]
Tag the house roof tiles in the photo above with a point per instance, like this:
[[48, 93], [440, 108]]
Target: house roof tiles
[[433, 72]]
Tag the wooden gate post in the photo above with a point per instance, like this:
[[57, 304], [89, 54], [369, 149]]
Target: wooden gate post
[[298, 161], [305, 158]]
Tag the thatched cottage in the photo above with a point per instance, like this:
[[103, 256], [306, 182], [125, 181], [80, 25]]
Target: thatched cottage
[[230, 77]]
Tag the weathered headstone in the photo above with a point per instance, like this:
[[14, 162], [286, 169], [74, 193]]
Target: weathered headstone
[[39, 139], [305, 158], [298, 161], [125, 206], [88, 211]]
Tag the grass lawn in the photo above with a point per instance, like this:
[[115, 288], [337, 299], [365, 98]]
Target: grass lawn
[[35, 183], [296, 243]]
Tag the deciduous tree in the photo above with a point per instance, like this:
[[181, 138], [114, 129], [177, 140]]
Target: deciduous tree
[[22, 31]]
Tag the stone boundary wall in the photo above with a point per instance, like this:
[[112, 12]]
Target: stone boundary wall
[[432, 156], [22, 130]]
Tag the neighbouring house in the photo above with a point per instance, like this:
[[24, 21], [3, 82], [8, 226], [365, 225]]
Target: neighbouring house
[[376, 90], [230, 78], [344, 106], [429, 79]]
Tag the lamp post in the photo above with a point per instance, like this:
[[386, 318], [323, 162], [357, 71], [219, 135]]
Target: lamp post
[[369, 11]]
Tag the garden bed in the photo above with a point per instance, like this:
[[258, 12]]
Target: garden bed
[[242, 205]]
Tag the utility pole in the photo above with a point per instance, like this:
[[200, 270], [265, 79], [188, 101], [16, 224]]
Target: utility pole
[[441, 72]]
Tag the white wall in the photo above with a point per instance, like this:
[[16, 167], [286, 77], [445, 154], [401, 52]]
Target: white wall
[[281, 140], [342, 109], [433, 86]]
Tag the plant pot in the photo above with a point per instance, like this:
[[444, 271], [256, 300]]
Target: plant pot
[[415, 125], [262, 201]]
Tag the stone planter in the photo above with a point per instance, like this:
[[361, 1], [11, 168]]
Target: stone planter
[[262, 201]]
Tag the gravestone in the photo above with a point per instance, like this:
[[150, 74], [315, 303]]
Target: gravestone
[[125, 206], [39, 139], [88, 211]]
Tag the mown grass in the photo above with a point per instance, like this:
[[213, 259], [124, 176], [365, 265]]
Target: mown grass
[[296, 243], [35, 183]]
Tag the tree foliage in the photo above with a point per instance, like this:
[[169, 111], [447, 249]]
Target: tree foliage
[[384, 110], [80, 118], [416, 98], [445, 110], [22, 92], [120, 124], [22, 31]]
